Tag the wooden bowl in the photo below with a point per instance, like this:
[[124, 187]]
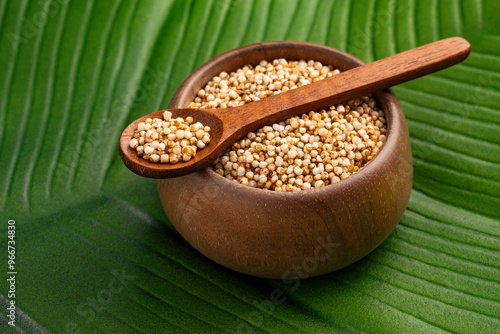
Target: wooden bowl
[[294, 234]]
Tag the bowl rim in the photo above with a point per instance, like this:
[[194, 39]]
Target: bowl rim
[[392, 112]]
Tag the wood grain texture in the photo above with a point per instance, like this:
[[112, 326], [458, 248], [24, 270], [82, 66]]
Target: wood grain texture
[[229, 125], [286, 235]]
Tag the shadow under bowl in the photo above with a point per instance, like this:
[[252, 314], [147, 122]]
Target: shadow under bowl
[[291, 234]]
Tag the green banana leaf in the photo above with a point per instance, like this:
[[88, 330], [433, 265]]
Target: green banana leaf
[[95, 252]]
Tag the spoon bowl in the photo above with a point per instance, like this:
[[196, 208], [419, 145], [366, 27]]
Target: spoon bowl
[[202, 159]]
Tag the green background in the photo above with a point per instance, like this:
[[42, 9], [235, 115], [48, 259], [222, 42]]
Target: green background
[[74, 73]]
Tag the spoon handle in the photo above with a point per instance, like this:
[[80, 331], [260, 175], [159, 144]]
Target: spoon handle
[[356, 82]]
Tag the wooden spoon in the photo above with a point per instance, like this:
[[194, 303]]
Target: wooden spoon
[[230, 124]]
